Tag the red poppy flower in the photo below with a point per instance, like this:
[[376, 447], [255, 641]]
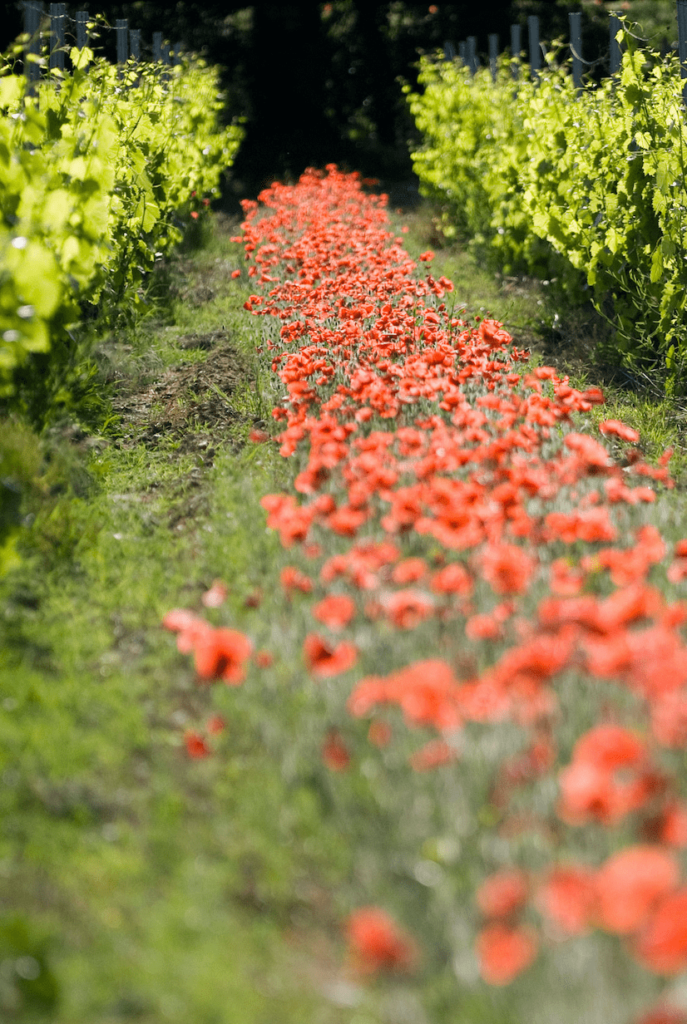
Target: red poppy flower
[[379, 733], [600, 782], [377, 943], [410, 570], [662, 944], [427, 693], [503, 893], [452, 579], [631, 883], [504, 952], [568, 897], [324, 659], [222, 654], [588, 451], [215, 725], [672, 825], [294, 579], [408, 608], [188, 627], [507, 568], [216, 595], [335, 752], [196, 747], [432, 755], [664, 1014], [614, 428], [609, 747], [669, 719], [367, 694], [566, 579], [335, 611], [482, 627]]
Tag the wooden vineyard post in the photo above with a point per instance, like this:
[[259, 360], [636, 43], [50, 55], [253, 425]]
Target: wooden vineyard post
[[58, 18], [682, 44], [493, 54], [535, 49], [575, 19], [473, 63], [515, 49], [614, 44], [33, 12], [463, 52], [122, 31], [449, 50], [81, 29], [135, 44], [161, 53]]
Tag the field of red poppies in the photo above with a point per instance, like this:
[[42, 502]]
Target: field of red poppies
[[490, 575]]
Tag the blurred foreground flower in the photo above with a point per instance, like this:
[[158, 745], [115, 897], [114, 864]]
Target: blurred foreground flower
[[335, 752], [377, 943], [504, 952], [196, 747], [664, 1014], [219, 653]]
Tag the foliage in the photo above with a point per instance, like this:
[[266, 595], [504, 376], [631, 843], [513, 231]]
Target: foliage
[[474, 148], [598, 178], [19, 464], [95, 169]]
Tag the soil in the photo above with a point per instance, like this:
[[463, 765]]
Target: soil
[[189, 403]]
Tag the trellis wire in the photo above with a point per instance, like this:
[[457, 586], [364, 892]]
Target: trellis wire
[[128, 41], [468, 49]]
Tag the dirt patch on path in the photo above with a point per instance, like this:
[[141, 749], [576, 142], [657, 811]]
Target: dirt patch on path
[[190, 403]]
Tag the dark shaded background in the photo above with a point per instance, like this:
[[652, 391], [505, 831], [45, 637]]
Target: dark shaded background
[[321, 82]]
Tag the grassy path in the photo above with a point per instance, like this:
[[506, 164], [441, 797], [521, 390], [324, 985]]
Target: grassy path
[[147, 888], [137, 883]]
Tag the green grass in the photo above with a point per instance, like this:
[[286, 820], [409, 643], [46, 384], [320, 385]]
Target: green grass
[[148, 887]]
